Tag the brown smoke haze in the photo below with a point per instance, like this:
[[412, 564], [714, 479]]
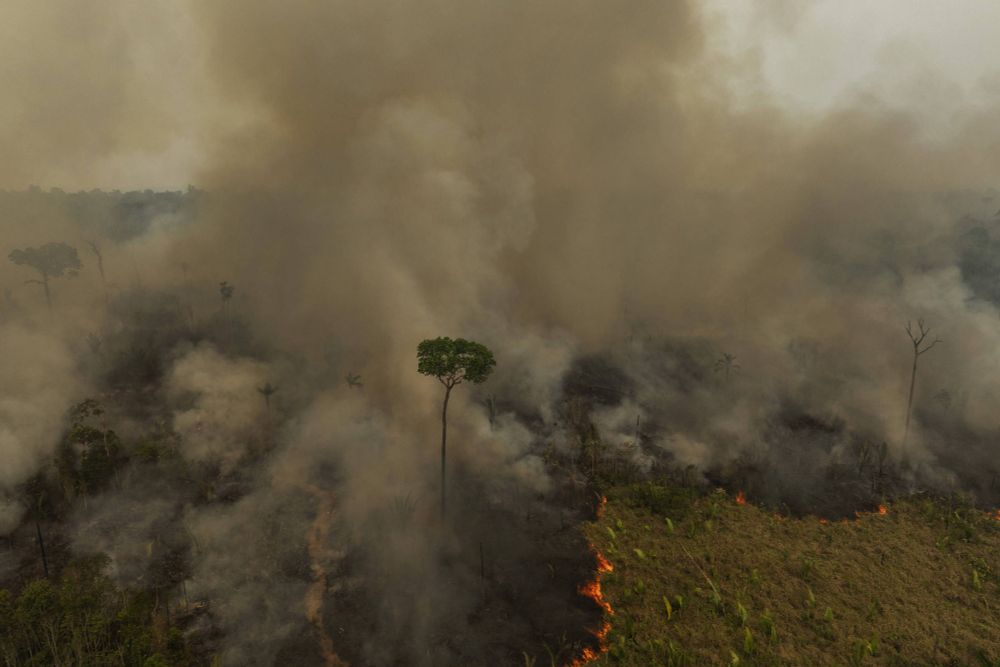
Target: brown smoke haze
[[559, 180]]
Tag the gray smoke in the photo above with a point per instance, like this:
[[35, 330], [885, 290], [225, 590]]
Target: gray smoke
[[574, 185]]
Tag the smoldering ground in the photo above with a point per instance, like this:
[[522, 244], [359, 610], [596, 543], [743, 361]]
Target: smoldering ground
[[575, 186]]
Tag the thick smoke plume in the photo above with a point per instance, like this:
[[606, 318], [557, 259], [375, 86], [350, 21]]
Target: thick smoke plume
[[574, 184]]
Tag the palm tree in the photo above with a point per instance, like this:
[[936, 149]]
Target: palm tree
[[267, 391], [727, 364]]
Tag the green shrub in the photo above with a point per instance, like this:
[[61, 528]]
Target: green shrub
[[663, 500]]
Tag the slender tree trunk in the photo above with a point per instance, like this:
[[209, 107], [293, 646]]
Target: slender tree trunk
[[41, 546], [48, 295], [909, 402], [444, 445], [482, 570], [100, 269], [267, 414]]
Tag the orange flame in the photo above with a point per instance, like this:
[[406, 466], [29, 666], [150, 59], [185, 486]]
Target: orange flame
[[592, 589], [883, 510], [997, 515], [741, 498], [601, 502], [603, 565], [589, 653]]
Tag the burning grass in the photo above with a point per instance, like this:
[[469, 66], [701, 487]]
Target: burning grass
[[592, 589], [723, 583]]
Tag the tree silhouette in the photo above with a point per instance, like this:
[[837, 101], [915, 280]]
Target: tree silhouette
[[353, 381], [491, 405], [96, 249], [52, 260], [452, 362], [226, 291], [267, 391], [727, 364], [920, 346], [39, 508]]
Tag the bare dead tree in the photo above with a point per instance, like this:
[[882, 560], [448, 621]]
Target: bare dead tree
[[920, 347]]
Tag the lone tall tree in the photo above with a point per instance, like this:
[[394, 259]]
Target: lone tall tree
[[52, 260], [920, 346], [452, 362], [267, 391]]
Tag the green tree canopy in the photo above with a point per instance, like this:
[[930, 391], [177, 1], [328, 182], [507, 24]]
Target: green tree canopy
[[455, 361], [452, 362]]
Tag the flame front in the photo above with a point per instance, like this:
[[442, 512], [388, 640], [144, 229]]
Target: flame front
[[589, 653], [741, 498], [604, 566], [883, 510], [592, 589]]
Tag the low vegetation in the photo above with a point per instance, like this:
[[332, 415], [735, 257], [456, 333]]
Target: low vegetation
[[82, 619], [704, 580]]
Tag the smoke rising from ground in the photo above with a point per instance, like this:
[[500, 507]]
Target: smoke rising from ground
[[560, 181], [32, 407]]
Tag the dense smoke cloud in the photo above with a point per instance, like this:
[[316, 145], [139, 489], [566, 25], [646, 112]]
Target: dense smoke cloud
[[562, 181], [98, 95], [577, 171], [32, 408], [218, 414]]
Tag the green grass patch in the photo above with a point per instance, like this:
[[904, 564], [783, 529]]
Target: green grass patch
[[724, 584]]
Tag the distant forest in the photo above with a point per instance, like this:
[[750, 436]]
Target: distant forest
[[113, 215]]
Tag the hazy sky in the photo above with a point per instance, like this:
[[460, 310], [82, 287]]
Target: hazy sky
[[84, 82], [813, 53]]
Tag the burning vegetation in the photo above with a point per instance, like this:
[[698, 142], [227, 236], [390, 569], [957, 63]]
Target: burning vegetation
[[591, 590], [711, 582], [229, 426]]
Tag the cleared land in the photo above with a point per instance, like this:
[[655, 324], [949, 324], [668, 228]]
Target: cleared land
[[703, 580]]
